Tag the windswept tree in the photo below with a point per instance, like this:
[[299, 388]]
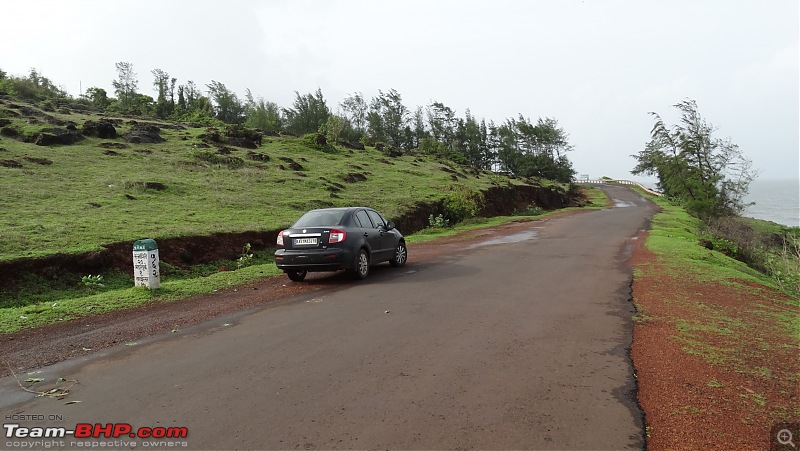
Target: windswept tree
[[308, 114], [165, 87], [711, 176], [492, 146], [442, 122], [192, 94], [262, 115], [355, 110], [334, 127], [227, 106], [125, 86], [508, 150], [418, 127], [470, 141], [98, 97], [387, 119], [143, 105]]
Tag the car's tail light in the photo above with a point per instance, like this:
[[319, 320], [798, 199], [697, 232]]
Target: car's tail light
[[280, 238], [337, 236]]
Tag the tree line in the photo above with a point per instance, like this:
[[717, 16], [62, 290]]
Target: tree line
[[517, 145]]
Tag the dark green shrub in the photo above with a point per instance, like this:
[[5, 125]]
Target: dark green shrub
[[318, 141], [462, 203], [724, 246]]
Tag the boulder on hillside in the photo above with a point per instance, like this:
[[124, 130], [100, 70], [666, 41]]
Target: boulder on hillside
[[241, 136], [144, 134], [234, 135], [211, 136], [9, 132], [349, 145], [102, 129], [394, 153], [57, 136]]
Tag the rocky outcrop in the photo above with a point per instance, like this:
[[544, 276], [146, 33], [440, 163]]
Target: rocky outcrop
[[144, 134], [103, 129], [58, 136], [350, 145], [234, 135]]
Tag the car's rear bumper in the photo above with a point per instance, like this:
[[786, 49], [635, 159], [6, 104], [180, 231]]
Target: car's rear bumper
[[313, 260]]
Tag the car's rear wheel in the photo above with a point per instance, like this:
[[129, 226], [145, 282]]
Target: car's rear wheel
[[400, 255], [297, 276], [361, 266]]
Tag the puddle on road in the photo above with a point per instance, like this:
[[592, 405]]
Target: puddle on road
[[623, 204], [514, 238]]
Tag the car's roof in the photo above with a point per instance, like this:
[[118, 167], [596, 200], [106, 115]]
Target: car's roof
[[341, 208]]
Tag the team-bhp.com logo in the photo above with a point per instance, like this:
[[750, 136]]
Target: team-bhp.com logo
[[97, 430]]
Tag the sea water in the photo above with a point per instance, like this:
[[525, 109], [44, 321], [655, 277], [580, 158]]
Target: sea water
[[775, 200]]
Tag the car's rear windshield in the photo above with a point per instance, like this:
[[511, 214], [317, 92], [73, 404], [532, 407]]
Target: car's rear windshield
[[320, 218]]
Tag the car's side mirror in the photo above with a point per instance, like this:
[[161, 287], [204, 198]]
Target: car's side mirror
[[389, 225]]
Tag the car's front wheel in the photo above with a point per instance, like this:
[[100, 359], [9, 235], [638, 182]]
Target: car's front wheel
[[400, 255], [361, 267], [297, 276]]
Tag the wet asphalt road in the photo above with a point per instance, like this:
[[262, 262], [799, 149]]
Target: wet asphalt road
[[518, 343]]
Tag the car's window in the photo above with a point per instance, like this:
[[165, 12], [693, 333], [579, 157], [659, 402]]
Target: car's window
[[320, 218], [376, 219], [362, 220]]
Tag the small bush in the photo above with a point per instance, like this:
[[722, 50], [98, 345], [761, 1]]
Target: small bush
[[462, 203], [774, 254], [93, 282], [318, 141], [438, 222], [530, 210], [246, 258], [784, 265], [736, 239], [724, 246]]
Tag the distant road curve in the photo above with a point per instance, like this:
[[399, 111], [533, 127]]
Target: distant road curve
[[616, 182]]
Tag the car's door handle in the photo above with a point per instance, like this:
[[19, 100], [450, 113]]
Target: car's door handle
[[366, 234]]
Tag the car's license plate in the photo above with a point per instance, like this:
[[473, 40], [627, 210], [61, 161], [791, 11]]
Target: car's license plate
[[304, 241]]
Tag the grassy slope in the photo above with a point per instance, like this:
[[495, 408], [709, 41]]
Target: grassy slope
[[47, 209], [674, 239], [728, 339]]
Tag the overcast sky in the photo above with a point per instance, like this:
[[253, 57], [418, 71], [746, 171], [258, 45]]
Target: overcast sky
[[597, 66]]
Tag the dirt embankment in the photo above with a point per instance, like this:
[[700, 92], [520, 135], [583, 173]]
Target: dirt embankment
[[185, 251]]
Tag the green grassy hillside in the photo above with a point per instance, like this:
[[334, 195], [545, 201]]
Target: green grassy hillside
[[74, 198]]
